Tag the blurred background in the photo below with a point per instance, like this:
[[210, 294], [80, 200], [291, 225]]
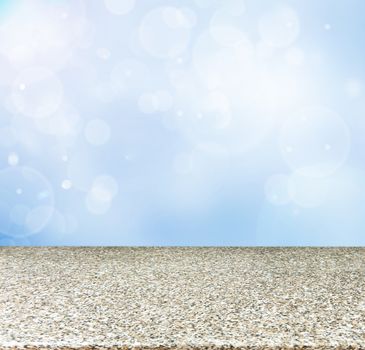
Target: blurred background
[[182, 122]]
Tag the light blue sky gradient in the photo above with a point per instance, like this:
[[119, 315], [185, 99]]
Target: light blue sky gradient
[[182, 122]]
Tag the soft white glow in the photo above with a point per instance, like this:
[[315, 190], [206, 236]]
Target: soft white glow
[[13, 159], [37, 218], [99, 198], [129, 75], [103, 53], [120, 7], [43, 33], [26, 201], [315, 141], [221, 66], [104, 188], [97, 132], [66, 184], [159, 101], [148, 103], [295, 56], [64, 123], [165, 31], [225, 28], [279, 28], [307, 191], [95, 206], [37, 92], [354, 88]]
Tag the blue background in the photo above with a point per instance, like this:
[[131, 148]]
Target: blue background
[[182, 122]]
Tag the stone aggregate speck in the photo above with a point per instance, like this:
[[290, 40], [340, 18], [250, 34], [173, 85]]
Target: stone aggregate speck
[[182, 298]]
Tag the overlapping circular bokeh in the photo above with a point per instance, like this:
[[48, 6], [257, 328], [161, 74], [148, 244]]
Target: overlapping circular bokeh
[[26, 201], [165, 31], [315, 141], [186, 98]]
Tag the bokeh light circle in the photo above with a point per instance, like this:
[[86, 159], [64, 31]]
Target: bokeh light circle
[[65, 123], [66, 184], [26, 201], [119, 7], [165, 31], [103, 53], [225, 28], [279, 28], [220, 124], [165, 100], [308, 192], [354, 88], [104, 187], [148, 103], [37, 92], [100, 196], [13, 159], [223, 66], [159, 101], [43, 32], [129, 75], [234, 7], [96, 206], [315, 141]]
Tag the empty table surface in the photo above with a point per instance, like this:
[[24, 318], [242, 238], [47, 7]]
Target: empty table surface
[[182, 298]]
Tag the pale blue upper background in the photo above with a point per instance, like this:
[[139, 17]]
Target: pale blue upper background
[[182, 122]]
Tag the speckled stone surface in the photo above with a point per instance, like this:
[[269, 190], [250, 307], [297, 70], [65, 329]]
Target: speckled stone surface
[[182, 298]]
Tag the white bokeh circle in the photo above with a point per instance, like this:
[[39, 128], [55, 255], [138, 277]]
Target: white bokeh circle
[[217, 123], [43, 33], [279, 28], [165, 100], [148, 103], [103, 53], [315, 142], [26, 201], [95, 206], [225, 28], [65, 124], [37, 92], [13, 159], [129, 76], [66, 184], [234, 7], [308, 192], [223, 66], [119, 7], [165, 31], [151, 102], [354, 88], [100, 196], [104, 188]]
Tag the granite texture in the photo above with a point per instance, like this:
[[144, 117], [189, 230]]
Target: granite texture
[[182, 298]]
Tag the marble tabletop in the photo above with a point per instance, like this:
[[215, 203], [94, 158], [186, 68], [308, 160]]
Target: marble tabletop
[[182, 298]]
